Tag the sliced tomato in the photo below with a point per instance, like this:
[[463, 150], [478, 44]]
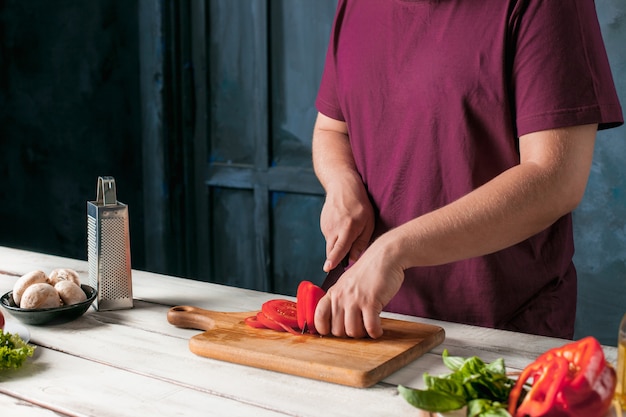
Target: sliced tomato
[[261, 321], [253, 322], [301, 297], [268, 323], [308, 296], [281, 311], [286, 315], [314, 297]]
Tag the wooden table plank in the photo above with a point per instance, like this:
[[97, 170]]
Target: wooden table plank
[[14, 406], [74, 386]]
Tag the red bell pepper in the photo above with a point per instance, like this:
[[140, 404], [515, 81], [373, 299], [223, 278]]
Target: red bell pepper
[[574, 380]]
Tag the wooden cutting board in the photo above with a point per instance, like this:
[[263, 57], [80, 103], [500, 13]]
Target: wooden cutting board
[[352, 362]]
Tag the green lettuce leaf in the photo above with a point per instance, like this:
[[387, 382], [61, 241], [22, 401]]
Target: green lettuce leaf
[[13, 350]]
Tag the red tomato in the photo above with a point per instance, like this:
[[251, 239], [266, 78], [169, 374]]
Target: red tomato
[[314, 297], [301, 297], [253, 322], [268, 323], [281, 311], [308, 296], [1, 321]]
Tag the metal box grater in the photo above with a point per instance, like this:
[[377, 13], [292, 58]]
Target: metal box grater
[[108, 248]]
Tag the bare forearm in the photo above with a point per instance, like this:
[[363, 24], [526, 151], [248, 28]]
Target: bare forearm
[[332, 156], [512, 207], [498, 215]]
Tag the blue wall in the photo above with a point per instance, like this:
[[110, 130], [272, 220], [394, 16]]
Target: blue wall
[[600, 220]]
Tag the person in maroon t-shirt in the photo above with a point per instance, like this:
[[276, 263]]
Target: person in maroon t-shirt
[[454, 138]]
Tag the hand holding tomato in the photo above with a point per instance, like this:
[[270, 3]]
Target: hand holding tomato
[[351, 307]]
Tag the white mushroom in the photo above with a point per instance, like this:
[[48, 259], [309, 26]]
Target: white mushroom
[[70, 293], [25, 281], [40, 295], [63, 274]]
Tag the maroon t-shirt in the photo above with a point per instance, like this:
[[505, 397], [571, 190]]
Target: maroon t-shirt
[[435, 95]]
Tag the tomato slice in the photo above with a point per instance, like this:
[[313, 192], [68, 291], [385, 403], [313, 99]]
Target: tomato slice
[[301, 297], [261, 321], [313, 298], [281, 311], [268, 323], [252, 321], [308, 296]]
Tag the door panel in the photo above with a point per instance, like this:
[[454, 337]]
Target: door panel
[[237, 57], [234, 238], [298, 249], [256, 199], [299, 33]]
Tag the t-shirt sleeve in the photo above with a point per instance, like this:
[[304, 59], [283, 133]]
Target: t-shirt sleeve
[[327, 101], [560, 71]]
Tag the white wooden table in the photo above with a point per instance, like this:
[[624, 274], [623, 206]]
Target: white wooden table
[[134, 363]]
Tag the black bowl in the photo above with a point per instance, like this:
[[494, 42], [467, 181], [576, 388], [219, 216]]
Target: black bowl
[[40, 316]]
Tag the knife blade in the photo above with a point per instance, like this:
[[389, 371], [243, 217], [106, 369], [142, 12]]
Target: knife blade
[[334, 274]]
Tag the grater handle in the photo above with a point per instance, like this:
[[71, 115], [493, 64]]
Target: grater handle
[[105, 191]]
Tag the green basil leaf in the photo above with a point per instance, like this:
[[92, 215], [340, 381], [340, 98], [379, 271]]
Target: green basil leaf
[[473, 366], [497, 367], [454, 363], [433, 401], [489, 386], [472, 381], [486, 408], [444, 384]]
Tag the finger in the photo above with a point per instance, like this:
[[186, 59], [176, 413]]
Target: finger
[[328, 263], [372, 323], [322, 316], [330, 244], [361, 243], [337, 320], [337, 253], [354, 324]]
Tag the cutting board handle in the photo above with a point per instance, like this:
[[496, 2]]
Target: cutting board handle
[[190, 317]]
